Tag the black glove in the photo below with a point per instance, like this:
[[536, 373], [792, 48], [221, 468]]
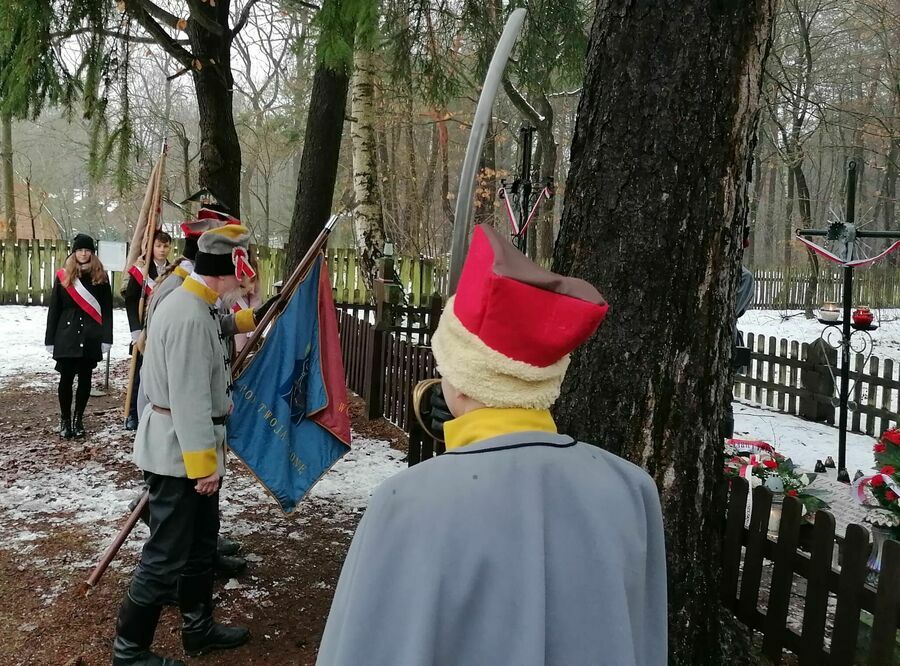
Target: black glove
[[439, 413], [261, 311]]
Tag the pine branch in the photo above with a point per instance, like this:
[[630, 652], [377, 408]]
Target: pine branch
[[172, 47]]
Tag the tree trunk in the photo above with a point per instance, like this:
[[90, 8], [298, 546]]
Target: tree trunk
[[318, 165], [367, 217], [220, 150], [769, 233], [7, 180], [890, 186], [487, 180], [806, 222], [653, 218], [186, 159], [549, 151], [788, 228]]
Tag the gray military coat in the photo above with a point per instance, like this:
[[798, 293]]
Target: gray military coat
[[186, 371], [527, 548]]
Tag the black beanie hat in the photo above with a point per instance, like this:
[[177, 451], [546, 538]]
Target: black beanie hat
[[83, 242]]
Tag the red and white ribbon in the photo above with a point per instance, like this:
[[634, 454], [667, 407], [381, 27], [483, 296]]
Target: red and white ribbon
[[242, 267], [857, 263], [149, 283], [751, 445], [239, 304], [82, 297], [859, 486]]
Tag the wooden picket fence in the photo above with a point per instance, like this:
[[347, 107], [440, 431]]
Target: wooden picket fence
[[775, 380], [24, 267], [862, 628], [383, 363], [777, 289]]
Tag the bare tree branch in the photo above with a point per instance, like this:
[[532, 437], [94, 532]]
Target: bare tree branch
[[165, 17], [242, 20], [106, 32], [181, 54], [199, 14]]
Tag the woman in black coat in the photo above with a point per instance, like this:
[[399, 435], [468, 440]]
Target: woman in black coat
[[79, 328]]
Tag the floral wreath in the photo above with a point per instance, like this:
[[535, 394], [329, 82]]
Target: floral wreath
[[882, 489], [762, 465]]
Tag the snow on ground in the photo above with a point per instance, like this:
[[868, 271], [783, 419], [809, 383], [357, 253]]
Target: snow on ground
[[792, 325], [804, 442], [22, 329], [91, 500]]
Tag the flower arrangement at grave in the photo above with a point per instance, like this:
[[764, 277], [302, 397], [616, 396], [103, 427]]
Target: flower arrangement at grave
[[761, 464], [882, 489]]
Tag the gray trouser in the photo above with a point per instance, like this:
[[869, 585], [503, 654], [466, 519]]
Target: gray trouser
[[184, 526]]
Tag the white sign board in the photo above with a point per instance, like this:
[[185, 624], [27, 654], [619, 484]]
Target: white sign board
[[113, 255]]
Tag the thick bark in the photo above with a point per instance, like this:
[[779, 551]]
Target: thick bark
[[220, 150], [318, 165], [367, 217], [7, 180], [653, 217]]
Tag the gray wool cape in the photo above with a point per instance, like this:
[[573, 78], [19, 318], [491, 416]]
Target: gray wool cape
[[527, 548]]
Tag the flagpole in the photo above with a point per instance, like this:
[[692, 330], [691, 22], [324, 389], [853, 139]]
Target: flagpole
[[147, 249], [286, 292]]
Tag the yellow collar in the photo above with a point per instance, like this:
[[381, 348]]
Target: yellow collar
[[180, 272], [201, 290], [491, 422]]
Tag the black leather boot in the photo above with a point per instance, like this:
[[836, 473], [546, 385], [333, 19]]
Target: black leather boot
[[227, 566], [78, 426], [65, 427], [131, 423], [199, 633], [134, 635], [225, 546]]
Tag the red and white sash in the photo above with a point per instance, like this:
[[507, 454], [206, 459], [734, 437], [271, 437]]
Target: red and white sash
[[82, 297], [138, 276]]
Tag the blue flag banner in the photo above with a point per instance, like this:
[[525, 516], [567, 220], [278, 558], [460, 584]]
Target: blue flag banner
[[290, 422]]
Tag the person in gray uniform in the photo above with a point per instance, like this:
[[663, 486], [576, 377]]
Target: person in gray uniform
[[180, 446], [519, 545]]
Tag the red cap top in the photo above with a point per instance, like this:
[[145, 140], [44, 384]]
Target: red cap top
[[518, 308], [206, 219]]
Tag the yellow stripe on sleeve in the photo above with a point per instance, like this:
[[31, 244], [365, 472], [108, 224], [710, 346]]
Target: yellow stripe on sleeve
[[199, 464]]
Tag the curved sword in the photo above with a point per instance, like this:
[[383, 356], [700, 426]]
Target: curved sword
[[464, 205]]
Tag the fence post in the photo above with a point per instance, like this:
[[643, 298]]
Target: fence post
[[387, 297]]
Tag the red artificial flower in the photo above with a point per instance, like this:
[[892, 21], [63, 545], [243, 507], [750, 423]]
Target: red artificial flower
[[877, 481], [879, 448], [888, 469], [890, 495], [892, 436], [771, 464], [792, 492]]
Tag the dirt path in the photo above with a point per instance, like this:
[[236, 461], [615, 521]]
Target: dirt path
[[61, 501]]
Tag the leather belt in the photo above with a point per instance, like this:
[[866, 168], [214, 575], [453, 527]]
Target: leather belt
[[217, 420]]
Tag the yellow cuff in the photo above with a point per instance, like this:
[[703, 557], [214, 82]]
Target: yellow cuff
[[244, 320], [199, 464]]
